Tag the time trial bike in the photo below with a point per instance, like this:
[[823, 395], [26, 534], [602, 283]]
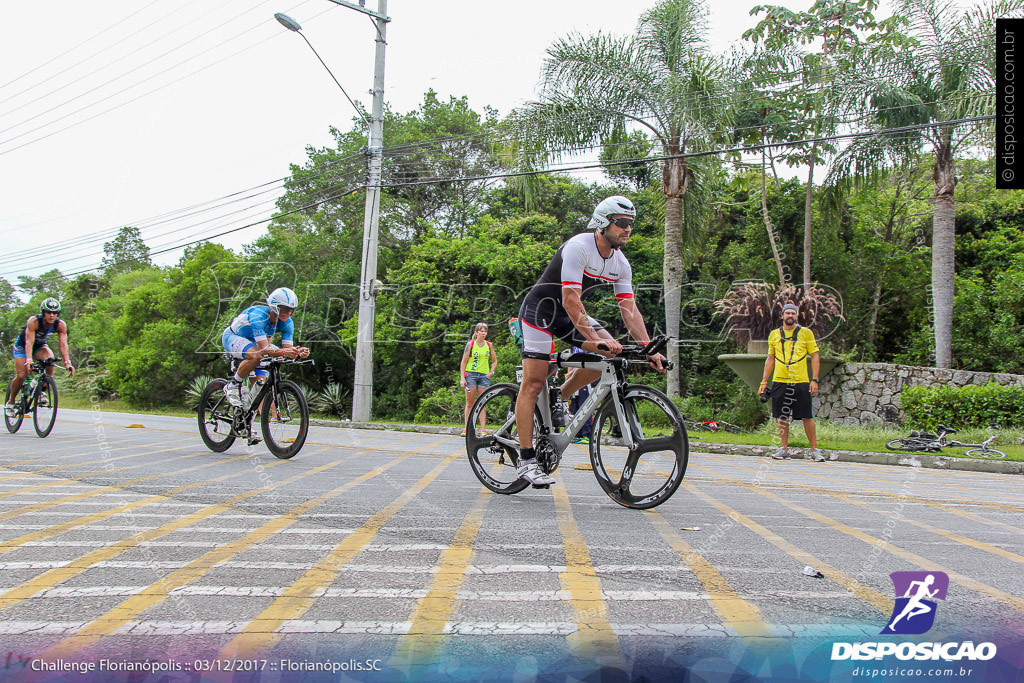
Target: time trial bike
[[38, 396], [639, 448], [280, 404]]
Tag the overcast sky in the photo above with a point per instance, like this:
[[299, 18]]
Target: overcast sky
[[119, 112]]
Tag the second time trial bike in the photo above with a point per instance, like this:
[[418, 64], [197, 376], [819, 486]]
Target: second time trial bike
[[280, 404]]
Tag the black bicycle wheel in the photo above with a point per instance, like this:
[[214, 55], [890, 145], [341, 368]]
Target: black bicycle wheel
[[215, 417], [494, 456], [284, 419], [911, 444], [647, 474], [44, 413], [14, 423], [992, 453]]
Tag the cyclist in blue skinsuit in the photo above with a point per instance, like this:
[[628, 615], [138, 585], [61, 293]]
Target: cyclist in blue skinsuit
[[247, 338], [35, 335]]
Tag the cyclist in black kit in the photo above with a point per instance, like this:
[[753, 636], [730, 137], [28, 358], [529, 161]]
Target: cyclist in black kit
[[553, 309]]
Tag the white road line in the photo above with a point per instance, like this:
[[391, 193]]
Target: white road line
[[191, 628], [412, 593]]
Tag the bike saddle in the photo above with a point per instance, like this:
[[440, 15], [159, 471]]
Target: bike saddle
[[944, 428]]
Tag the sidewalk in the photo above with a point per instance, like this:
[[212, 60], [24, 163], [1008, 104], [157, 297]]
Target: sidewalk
[[938, 462]]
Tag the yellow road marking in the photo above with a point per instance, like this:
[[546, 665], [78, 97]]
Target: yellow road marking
[[594, 637], [49, 532], [18, 446], [51, 578], [922, 562], [865, 593], [874, 493], [978, 545], [80, 477], [22, 475], [419, 647], [51, 458], [157, 592], [259, 635], [735, 612]]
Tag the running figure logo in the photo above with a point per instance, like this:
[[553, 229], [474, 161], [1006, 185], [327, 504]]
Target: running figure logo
[[914, 611]]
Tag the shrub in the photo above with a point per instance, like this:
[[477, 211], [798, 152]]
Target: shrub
[[446, 404], [194, 390], [967, 407], [333, 400]]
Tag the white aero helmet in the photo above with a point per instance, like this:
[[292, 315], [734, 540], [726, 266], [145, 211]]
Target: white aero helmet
[[282, 296], [610, 207]]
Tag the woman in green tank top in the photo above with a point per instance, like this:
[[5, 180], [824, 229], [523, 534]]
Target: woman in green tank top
[[476, 370]]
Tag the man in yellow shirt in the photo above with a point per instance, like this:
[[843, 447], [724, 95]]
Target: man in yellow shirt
[[788, 349]]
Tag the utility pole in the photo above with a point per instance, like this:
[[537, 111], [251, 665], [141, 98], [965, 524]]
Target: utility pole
[[362, 390]]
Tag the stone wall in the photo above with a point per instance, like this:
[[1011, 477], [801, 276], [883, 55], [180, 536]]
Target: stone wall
[[869, 393]]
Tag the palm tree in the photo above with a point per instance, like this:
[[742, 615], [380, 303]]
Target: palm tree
[[660, 80], [934, 84]]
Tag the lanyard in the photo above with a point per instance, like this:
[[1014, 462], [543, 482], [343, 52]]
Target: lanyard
[[792, 349]]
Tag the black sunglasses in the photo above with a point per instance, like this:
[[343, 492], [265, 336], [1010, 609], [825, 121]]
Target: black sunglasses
[[623, 222]]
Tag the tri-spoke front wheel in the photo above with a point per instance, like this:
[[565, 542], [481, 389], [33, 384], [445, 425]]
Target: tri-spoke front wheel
[[215, 417], [284, 419], [647, 472], [44, 413]]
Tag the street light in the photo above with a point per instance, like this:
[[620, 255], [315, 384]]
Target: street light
[[362, 390]]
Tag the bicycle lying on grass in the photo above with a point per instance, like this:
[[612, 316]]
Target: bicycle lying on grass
[[932, 443], [282, 409], [38, 396], [638, 445], [714, 425]]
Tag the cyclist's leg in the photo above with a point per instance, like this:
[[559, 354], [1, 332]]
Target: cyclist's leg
[[238, 347], [582, 377], [535, 373], [42, 353], [21, 374]]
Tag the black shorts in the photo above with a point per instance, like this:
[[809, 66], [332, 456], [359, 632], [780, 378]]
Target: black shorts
[[543, 324], [792, 401]]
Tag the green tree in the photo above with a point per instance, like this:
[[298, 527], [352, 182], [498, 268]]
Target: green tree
[[50, 281], [125, 252], [934, 81], [810, 104], [661, 80]]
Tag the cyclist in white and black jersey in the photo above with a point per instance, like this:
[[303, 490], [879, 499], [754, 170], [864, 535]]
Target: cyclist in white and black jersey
[[553, 309]]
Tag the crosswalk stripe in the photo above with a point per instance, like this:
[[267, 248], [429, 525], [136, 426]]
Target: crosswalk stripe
[[973, 543], [418, 649], [594, 638], [259, 634], [141, 629], [922, 562], [865, 593], [128, 609], [61, 574], [740, 615], [50, 531]]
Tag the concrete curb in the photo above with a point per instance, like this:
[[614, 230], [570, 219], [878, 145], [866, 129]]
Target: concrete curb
[[938, 462]]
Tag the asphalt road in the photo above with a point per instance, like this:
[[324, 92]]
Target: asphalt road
[[380, 550]]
